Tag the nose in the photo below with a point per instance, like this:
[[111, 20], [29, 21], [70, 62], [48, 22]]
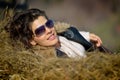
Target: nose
[[48, 30]]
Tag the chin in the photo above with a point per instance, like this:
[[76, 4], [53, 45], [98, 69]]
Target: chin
[[52, 43]]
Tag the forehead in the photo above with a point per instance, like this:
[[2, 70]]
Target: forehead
[[41, 20]]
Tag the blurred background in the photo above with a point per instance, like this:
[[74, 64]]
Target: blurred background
[[101, 17]]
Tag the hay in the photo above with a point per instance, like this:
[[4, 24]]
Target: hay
[[20, 64], [27, 66]]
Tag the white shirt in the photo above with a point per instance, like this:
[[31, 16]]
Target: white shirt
[[71, 48]]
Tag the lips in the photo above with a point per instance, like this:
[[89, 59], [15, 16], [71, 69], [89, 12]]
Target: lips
[[52, 37]]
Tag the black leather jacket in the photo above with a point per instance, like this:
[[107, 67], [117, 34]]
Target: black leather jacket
[[73, 34]]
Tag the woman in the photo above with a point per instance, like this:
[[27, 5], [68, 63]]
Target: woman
[[33, 28]]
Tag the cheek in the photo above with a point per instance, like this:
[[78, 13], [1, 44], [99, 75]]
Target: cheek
[[40, 40]]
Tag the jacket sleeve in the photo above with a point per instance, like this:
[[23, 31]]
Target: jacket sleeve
[[85, 35]]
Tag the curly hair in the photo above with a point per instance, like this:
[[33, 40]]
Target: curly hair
[[19, 26]]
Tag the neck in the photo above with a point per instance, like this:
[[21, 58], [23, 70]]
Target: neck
[[57, 45]]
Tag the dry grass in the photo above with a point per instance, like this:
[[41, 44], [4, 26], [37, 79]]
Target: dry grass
[[27, 66], [20, 64]]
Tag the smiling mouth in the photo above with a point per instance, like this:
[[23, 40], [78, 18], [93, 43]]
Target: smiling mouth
[[52, 37]]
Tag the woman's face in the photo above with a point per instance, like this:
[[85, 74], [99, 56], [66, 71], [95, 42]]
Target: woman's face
[[43, 35]]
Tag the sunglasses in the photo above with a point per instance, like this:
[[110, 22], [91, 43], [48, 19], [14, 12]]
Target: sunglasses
[[41, 29]]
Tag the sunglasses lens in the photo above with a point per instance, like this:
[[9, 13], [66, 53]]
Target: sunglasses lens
[[49, 24], [40, 30]]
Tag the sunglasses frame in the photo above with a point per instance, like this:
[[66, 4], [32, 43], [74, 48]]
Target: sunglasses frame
[[41, 29]]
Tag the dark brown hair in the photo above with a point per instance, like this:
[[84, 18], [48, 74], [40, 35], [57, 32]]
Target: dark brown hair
[[19, 26]]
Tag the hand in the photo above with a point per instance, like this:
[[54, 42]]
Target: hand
[[95, 40]]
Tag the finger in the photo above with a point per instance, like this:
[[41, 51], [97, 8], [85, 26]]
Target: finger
[[96, 38], [98, 44]]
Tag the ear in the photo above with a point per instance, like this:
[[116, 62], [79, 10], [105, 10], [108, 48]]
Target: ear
[[32, 42]]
